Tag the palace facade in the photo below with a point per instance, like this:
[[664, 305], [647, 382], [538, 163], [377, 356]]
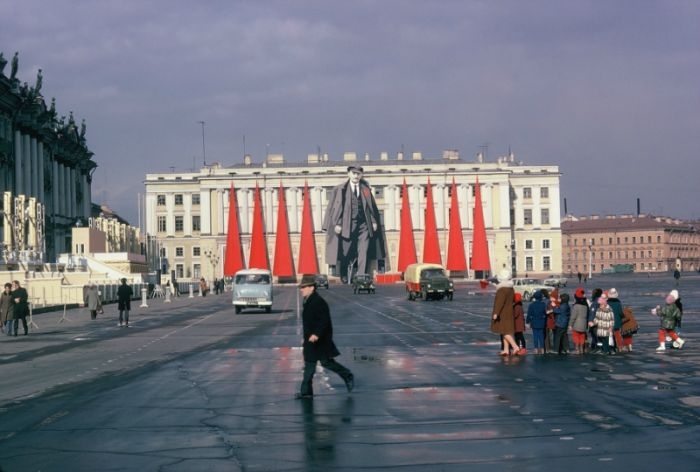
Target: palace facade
[[45, 173], [187, 213]]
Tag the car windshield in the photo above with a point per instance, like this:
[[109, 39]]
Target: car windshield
[[363, 278], [262, 279], [431, 273]]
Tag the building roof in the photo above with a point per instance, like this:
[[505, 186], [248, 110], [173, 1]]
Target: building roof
[[623, 223]]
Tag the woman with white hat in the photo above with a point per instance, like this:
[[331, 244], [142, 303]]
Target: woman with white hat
[[502, 319]]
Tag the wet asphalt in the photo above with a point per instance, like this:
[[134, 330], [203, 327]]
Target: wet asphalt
[[191, 386]]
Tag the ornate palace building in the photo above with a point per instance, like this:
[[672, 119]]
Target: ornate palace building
[[45, 173], [187, 213]]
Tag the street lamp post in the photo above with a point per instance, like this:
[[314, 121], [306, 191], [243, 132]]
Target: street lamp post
[[590, 259], [204, 150], [213, 260]]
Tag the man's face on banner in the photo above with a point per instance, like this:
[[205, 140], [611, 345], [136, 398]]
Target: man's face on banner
[[354, 176]]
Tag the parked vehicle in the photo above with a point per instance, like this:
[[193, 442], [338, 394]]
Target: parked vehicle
[[322, 280], [557, 280], [252, 288], [527, 287], [363, 282], [427, 281]]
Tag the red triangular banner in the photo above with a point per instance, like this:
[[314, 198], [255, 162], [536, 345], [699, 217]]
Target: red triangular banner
[[283, 265], [407, 244], [456, 258], [233, 260], [308, 258], [431, 245], [258, 247], [480, 246]]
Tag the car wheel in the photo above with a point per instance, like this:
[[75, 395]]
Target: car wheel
[[449, 297], [268, 309], [238, 310], [424, 295]]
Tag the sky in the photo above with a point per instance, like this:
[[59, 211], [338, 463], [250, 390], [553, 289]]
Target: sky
[[606, 90]]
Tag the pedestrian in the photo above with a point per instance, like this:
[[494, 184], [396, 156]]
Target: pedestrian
[[7, 309], [502, 321], [20, 297], [124, 295], [203, 288], [537, 319], [519, 320], [92, 301], [562, 315], [669, 314], [593, 307], [679, 304], [629, 328], [579, 277], [551, 324], [677, 276], [318, 345], [578, 323], [616, 305], [604, 321]]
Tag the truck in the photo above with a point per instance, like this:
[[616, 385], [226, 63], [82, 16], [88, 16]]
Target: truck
[[428, 281]]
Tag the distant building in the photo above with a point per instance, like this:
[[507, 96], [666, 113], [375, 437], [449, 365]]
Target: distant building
[[187, 213], [644, 242]]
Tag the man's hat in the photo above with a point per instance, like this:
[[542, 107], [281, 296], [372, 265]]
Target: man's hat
[[356, 168], [307, 280]]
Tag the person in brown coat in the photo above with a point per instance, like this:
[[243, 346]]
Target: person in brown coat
[[502, 320]]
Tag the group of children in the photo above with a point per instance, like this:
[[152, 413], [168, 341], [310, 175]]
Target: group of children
[[610, 325]]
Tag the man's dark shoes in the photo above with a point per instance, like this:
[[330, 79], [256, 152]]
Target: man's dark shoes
[[350, 383], [303, 396]]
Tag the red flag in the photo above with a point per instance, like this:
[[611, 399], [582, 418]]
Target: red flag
[[233, 260], [308, 259], [258, 247], [431, 245], [456, 259], [480, 246], [407, 245], [283, 265]]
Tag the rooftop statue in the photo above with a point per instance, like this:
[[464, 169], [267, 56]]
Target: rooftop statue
[[3, 63], [15, 64], [39, 82]]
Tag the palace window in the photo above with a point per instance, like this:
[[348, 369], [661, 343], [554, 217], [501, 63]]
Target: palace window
[[544, 216], [196, 271], [195, 199], [546, 263], [544, 192], [196, 223], [178, 199], [546, 244], [180, 271], [162, 224], [179, 223], [528, 264], [527, 193], [527, 216], [528, 244], [196, 251], [179, 251], [160, 200]]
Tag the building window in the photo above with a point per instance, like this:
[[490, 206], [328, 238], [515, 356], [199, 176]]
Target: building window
[[528, 264], [545, 244], [544, 215], [163, 252], [180, 271], [544, 192], [160, 200], [634, 239], [196, 271], [527, 193], [546, 265], [162, 225], [178, 199], [196, 223], [196, 251], [179, 223], [179, 251], [609, 240], [378, 192], [527, 216], [195, 199], [528, 244]]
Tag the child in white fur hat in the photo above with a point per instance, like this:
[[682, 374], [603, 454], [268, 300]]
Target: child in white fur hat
[[670, 316]]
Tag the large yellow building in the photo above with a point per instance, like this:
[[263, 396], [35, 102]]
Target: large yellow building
[[187, 213]]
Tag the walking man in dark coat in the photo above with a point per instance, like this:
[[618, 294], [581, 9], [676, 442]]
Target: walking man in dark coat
[[352, 225], [124, 295], [21, 299], [318, 339]]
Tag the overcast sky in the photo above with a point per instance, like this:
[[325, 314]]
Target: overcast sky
[[607, 90]]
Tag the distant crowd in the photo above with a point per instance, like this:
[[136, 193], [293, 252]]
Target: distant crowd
[[601, 324]]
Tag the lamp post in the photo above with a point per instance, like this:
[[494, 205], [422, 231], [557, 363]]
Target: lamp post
[[204, 150], [213, 258], [590, 258]]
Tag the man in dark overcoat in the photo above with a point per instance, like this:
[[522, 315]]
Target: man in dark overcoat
[[353, 225], [21, 299], [318, 345]]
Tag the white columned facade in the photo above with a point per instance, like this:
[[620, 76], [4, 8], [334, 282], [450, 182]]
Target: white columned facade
[[34, 176], [187, 218], [205, 204], [40, 171], [19, 174], [27, 159], [170, 215], [220, 228]]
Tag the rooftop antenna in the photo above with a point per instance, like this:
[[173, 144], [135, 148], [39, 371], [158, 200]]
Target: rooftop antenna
[[204, 151]]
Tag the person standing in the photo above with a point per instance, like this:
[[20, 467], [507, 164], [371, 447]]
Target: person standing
[[616, 305], [604, 321], [519, 323], [20, 297], [352, 225], [593, 307], [7, 309], [502, 319], [124, 295], [318, 345], [537, 320], [669, 314], [578, 323], [562, 315], [92, 300]]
